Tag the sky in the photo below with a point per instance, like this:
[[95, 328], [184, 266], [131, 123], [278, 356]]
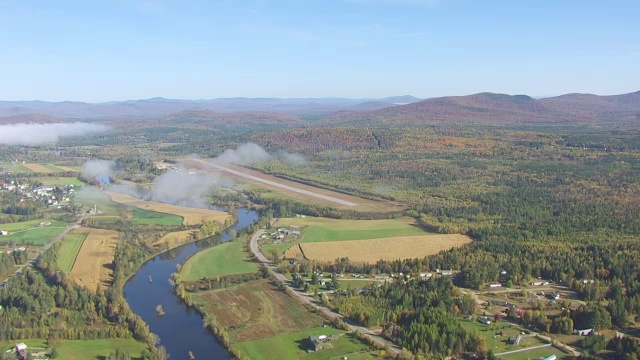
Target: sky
[[98, 51]]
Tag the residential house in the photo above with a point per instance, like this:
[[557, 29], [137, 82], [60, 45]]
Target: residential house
[[484, 320], [316, 343], [514, 340]]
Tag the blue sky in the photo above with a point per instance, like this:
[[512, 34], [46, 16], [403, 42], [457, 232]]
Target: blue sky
[[115, 50]]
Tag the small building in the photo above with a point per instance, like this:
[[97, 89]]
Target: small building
[[484, 320], [495, 285], [552, 357], [585, 332], [3, 233], [316, 343], [514, 340], [427, 275]]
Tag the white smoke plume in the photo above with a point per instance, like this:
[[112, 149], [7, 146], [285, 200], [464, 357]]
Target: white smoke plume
[[93, 168], [245, 154], [292, 158], [36, 134], [184, 187]]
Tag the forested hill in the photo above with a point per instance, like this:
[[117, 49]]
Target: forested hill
[[501, 109]]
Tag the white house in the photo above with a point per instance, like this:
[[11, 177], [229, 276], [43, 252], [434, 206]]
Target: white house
[[3, 233]]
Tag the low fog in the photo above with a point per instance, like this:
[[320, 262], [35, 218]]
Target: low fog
[[245, 154], [185, 188], [36, 134]]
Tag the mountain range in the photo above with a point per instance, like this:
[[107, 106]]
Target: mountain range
[[482, 108], [156, 107]]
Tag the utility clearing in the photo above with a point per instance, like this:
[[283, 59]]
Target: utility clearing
[[94, 264], [191, 216]]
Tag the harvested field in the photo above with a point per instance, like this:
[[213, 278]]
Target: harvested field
[[294, 252], [256, 310], [37, 168], [191, 216], [297, 190], [65, 168], [176, 238], [403, 247], [93, 265]]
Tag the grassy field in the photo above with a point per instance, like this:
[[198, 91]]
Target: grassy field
[[255, 310], [68, 251], [32, 232], [294, 346], [83, 349], [14, 167], [499, 343], [537, 354], [48, 180], [110, 211], [323, 229], [224, 259]]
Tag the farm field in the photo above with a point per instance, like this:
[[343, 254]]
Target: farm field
[[31, 231], [82, 349], [293, 346], [316, 229], [301, 192], [191, 216], [220, 260], [403, 247], [255, 310], [48, 180], [68, 251], [37, 168], [93, 266], [14, 167], [68, 168], [109, 211]]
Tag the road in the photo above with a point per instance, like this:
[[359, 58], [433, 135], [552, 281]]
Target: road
[[303, 298], [526, 349], [48, 246], [273, 183]]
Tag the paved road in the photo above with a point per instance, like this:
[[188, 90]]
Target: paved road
[[255, 250], [273, 183], [48, 246]]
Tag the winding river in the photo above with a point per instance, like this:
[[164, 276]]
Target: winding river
[[181, 329]]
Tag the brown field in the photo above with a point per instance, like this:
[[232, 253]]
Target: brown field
[[256, 310], [402, 247], [93, 265], [294, 252], [65, 168], [191, 216], [297, 190], [176, 238], [37, 168]]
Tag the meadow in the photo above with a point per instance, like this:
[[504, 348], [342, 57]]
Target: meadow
[[225, 259], [68, 251], [81, 349], [294, 346], [499, 343], [31, 232]]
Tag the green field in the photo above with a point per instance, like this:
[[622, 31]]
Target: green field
[[14, 167], [293, 346], [48, 180], [82, 349], [537, 354], [324, 229], [53, 168], [32, 232], [224, 259], [109, 211], [499, 343], [69, 248]]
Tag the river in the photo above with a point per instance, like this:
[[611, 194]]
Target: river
[[181, 329]]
